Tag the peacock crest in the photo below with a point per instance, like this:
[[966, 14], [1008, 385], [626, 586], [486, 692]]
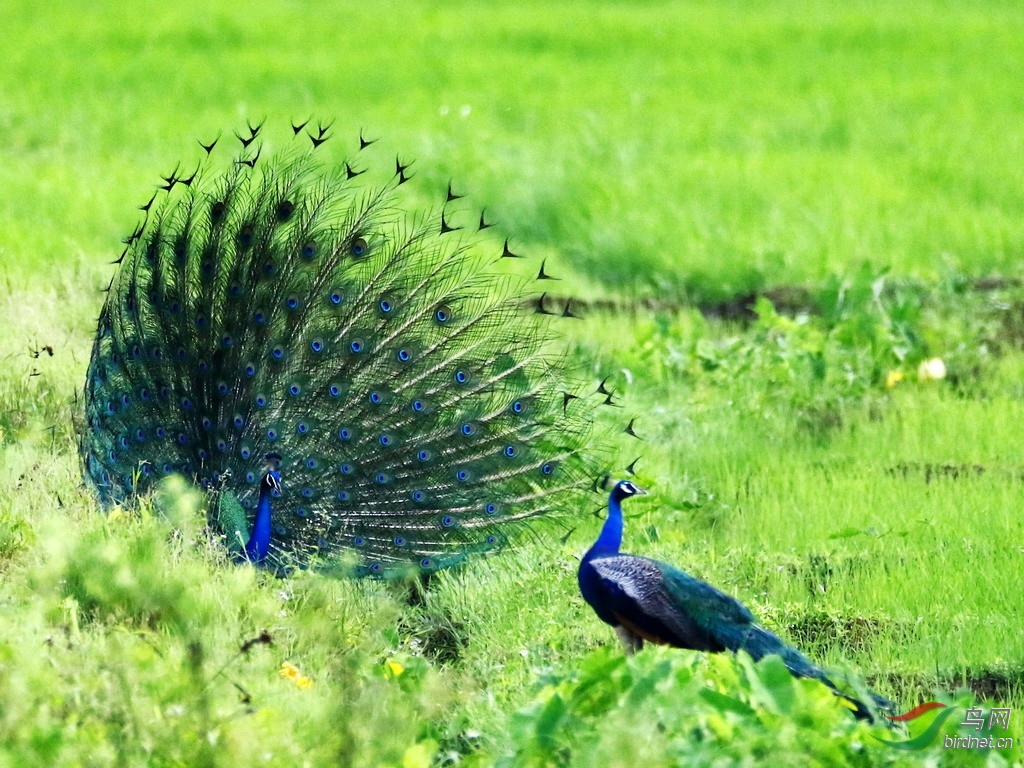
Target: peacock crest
[[290, 316]]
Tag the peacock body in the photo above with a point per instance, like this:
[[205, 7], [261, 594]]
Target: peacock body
[[357, 386], [645, 599]]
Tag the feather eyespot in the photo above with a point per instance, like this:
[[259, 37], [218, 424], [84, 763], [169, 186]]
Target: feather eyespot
[[285, 209], [359, 247]]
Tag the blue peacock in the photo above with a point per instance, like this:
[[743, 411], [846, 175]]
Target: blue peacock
[[358, 384], [645, 599]]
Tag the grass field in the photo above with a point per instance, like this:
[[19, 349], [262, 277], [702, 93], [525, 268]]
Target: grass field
[[859, 165]]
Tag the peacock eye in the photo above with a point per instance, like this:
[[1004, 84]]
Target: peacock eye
[[359, 247]]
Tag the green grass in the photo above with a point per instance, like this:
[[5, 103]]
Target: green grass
[[701, 148], [689, 151]]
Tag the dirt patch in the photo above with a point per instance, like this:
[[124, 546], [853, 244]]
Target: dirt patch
[[933, 471]]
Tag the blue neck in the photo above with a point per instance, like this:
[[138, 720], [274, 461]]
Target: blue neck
[[259, 543], [610, 540]]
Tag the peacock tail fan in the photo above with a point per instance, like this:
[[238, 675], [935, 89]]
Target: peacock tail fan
[[417, 414]]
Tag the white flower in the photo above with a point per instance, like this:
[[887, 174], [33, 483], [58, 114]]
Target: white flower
[[931, 370]]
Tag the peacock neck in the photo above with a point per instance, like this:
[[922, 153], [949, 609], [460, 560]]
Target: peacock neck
[[259, 542], [610, 540]]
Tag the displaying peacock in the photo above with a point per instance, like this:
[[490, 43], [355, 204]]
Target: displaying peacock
[[357, 383], [645, 599]]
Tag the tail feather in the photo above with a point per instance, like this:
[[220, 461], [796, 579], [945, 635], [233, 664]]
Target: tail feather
[[280, 308], [759, 642]]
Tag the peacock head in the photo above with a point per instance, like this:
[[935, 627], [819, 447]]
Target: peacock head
[[272, 481], [272, 475], [624, 489]]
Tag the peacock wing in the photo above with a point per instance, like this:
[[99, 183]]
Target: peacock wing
[[642, 597]]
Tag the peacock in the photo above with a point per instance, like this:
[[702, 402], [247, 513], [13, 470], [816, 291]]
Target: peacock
[[644, 599], [359, 382]]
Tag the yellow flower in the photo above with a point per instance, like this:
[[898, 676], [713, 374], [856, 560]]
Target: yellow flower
[[290, 672], [931, 370], [394, 667], [894, 378]]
